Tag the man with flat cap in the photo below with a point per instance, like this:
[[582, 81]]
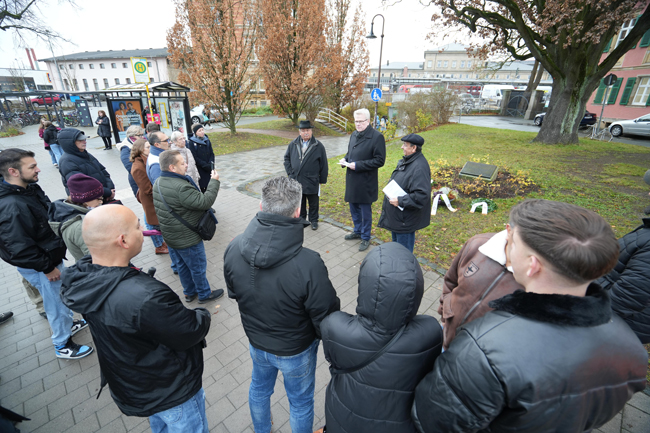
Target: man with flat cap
[[306, 162], [406, 214]]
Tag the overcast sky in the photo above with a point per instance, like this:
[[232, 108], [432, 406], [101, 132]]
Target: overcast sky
[[130, 24]]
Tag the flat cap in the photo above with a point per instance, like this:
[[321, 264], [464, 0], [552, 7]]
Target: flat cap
[[413, 139]]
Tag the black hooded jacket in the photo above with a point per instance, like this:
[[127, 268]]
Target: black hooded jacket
[[75, 161], [537, 364], [282, 289], [378, 397], [148, 344], [26, 239]]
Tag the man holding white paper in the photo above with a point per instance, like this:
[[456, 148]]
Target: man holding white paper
[[407, 197]]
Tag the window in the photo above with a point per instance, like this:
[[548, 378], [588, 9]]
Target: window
[[114, 65], [117, 81], [429, 64], [498, 76], [60, 66], [642, 95], [75, 84], [439, 63], [149, 64], [101, 66], [452, 75], [105, 83], [71, 66], [469, 63], [91, 66], [466, 75], [625, 29], [128, 81], [453, 64], [476, 76], [67, 85], [81, 66], [124, 65], [95, 84], [86, 85], [508, 76], [446, 63], [462, 63]]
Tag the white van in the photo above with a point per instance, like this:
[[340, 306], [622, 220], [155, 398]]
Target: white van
[[494, 92]]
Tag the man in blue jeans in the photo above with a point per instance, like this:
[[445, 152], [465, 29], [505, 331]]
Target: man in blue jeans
[[283, 292]]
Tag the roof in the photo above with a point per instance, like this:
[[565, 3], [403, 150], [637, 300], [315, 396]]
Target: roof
[[401, 65], [450, 48], [110, 54], [164, 86]]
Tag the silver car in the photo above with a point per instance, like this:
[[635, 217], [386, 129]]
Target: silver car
[[638, 126]]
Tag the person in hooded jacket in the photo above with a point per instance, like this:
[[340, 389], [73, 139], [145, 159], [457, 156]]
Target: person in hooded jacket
[[50, 137], [306, 161], [283, 293], [378, 397], [201, 149], [149, 345], [133, 133], [104, 129], [413, 175], [76, 159], [66, 215]]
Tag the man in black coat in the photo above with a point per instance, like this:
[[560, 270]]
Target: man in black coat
[[201, 148], [366, 154], [76, 159], [306, 162], [550, 358], [28, 242], [405, 214], [150, 347], [283, 292]]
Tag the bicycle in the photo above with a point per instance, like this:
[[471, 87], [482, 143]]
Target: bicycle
[[602, 135]]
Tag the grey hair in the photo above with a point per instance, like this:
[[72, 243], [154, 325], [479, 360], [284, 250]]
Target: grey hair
[[363, 111], [281, 196], [175, 136], [134, 130], [167, 158]]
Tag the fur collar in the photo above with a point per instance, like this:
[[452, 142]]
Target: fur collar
[[591, 310]]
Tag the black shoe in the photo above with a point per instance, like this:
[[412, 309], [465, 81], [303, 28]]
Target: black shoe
[[190, 298], [216, 294], [106, 148], [314, 225], [5, 316], [43, 315], [352, 236], [78, 325], [364, 245], [72, 350]]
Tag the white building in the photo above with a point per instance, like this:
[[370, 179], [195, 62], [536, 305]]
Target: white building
[[18, 80], [98, 70]]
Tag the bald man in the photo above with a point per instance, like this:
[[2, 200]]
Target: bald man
[[148, 344]]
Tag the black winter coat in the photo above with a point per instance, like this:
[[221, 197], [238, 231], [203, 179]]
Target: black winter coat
[[74, 161], [148, 344], [310, 169], [414, 176], [539, 363], [629, 281], [26, 239], [282, 289], [203, 156], [50, 134], [368, 151], [104, 128], [378, 397]]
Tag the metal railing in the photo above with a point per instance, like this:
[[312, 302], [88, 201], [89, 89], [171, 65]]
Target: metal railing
[[327, 115]]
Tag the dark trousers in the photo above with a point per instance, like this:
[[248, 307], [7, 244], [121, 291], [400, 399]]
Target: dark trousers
[[362, 219], [313, 207], [107, 142], [406, 239]]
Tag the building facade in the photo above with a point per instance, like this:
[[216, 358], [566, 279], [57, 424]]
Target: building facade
[[19, 80]]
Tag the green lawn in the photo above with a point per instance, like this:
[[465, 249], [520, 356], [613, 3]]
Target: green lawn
[[604, 177], [287, 125], [224, 142]]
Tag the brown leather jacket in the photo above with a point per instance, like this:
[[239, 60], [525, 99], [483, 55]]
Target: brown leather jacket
[[473, 280]]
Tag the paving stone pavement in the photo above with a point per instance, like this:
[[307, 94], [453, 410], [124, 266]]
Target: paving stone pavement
[[60, 395]]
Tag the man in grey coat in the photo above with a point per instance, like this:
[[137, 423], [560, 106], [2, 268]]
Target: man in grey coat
[[306, 162], [366, 155]]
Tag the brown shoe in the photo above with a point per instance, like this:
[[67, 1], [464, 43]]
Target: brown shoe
[[162, 249]]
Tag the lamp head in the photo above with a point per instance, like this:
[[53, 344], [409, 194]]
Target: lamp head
[[372, 33]]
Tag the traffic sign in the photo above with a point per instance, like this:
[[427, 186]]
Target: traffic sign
[[375, 94], [610, 79], [140, 70]]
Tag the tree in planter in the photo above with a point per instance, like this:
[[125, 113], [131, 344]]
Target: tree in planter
[[567, 37], [291, 53], [423, 109], [212, 45]]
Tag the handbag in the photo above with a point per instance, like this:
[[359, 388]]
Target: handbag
[[207, 225]]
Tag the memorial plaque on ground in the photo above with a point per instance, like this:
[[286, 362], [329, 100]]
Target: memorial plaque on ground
[[475, 169]]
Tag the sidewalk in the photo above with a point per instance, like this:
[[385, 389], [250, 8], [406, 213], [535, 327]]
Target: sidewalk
[[60, 395]]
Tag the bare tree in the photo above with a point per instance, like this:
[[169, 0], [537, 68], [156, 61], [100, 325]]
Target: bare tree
[[22, 17]]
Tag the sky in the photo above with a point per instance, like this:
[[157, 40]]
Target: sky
[[130, 24]]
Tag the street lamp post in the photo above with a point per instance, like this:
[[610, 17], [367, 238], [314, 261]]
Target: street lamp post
[[381, 48]]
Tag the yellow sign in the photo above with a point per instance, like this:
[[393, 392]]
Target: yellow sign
[[389, 104], [140, 70]]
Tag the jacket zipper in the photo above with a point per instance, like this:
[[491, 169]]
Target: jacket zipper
[[488, 290]]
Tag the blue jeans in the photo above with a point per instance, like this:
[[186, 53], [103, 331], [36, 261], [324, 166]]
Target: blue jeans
[[192, 265], [125, 154], [188, 417], [59, 316], [58, 153], [362, 219], [52, 156], [156, 239], [406, 239], [299, 373]]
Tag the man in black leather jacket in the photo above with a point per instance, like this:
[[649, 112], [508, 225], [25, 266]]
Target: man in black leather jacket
[[552, 358]]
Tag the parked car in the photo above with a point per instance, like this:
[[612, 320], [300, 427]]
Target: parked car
[[638, 126], [588, 119], [196, 114], [37, 102]]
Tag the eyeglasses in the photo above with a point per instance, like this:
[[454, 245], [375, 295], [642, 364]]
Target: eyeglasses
[[360, 121], [165, 141]]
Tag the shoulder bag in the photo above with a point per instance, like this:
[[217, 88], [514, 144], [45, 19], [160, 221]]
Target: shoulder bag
[[207, 225]]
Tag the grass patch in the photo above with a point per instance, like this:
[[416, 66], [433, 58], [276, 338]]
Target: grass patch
[[287, 125], [224, 142], [10, 132], [568, 173]]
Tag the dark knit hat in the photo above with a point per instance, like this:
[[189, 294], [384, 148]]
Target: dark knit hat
[[413, 139], [196, 127], [84, 188]]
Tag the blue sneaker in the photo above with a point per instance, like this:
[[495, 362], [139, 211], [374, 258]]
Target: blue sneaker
[[72, 350], [78, 325]]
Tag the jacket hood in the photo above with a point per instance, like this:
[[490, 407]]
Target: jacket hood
[[270, 240], [62, 214], [391, 286], [85, 287], [67, 138]]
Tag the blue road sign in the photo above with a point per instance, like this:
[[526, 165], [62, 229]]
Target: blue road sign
[[375, 94]]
